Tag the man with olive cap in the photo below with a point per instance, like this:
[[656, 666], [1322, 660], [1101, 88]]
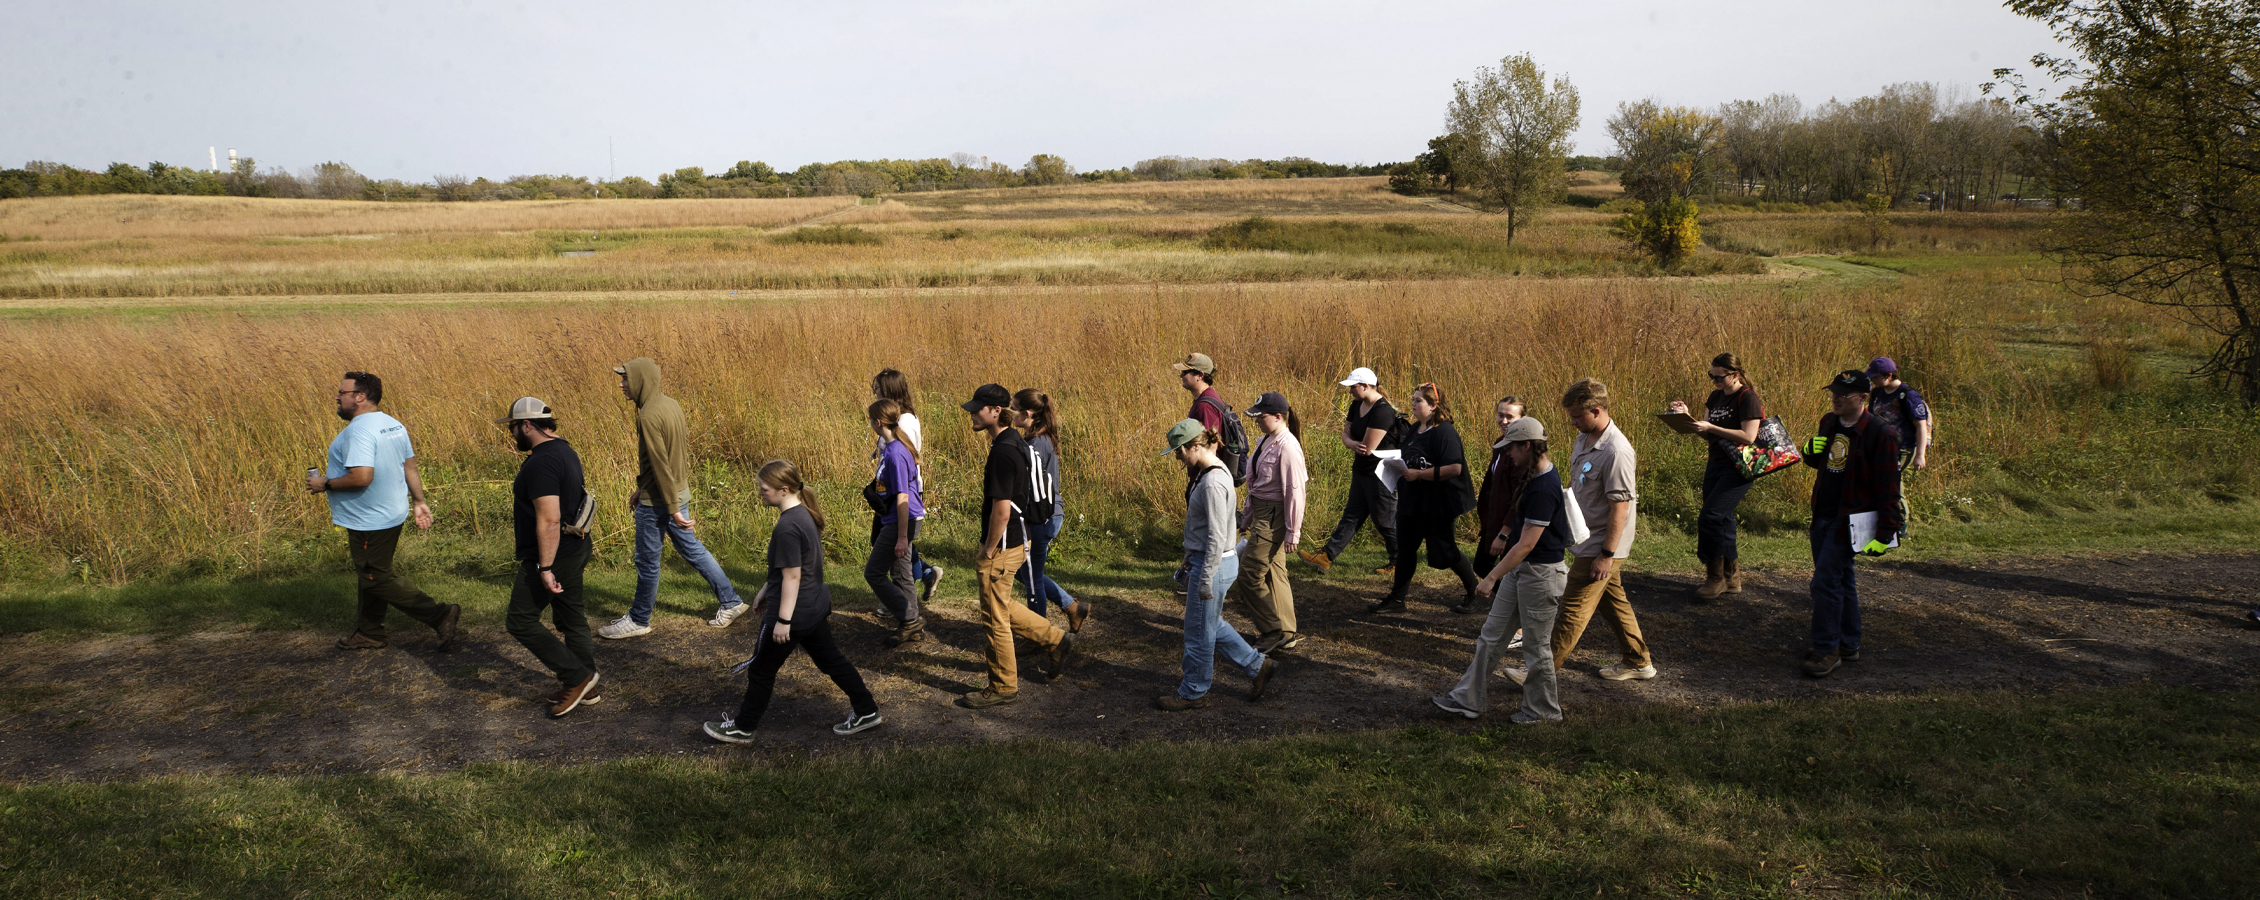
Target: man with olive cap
[[1856, 457], [1007, 490], [547, 494]]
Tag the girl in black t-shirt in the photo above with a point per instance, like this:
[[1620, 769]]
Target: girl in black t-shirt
[[1730, 419], [1434, 491], [1366, 430], [795, 609]]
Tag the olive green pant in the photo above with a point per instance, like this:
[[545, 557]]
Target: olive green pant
[[1262, 590], [379, 586]]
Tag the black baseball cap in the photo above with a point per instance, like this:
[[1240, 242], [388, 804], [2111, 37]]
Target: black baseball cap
[[1271, 404], [986, 396], [1849, 381]]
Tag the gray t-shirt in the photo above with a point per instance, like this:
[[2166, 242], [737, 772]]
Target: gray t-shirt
[[1601, 470]]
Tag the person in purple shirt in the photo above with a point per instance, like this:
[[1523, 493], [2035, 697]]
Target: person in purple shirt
[[898, 503], [1900, 406]]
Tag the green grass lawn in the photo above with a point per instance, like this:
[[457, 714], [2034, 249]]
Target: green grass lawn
[[2122, 793]]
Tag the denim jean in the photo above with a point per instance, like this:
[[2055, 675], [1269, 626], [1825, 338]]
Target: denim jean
[[1836, 589], [652, 526], [1205, 634], [1041, 588]]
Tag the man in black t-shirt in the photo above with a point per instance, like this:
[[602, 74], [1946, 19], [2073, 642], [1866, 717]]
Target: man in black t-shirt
[[1007, 491], [547, 493]]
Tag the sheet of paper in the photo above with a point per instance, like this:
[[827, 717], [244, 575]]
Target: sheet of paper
[[1391, 468], [1864, 529]]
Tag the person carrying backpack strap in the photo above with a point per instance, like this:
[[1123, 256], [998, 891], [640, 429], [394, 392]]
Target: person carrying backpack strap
[[1198, 376], [1037, 420]]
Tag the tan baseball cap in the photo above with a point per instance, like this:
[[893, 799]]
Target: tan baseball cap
[[526, 408], [1197, 362]]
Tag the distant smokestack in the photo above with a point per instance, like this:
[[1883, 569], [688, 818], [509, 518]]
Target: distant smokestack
[[214, 152], [231, 159]]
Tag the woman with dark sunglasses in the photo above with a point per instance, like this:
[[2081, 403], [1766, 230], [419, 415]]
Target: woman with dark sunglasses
[[1730, 419], [1433, 491]]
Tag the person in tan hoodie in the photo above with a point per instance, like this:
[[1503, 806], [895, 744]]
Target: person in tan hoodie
[[661, 503]]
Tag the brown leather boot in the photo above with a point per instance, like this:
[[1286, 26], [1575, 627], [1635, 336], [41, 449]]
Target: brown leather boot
[[1733, 577], [1714, 580]]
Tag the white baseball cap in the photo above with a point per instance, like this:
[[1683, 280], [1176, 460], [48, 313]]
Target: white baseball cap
[[1361, 375], [526, 408]]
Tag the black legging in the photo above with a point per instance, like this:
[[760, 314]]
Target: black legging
[[761, 678], [1443, 553], [1723, 487]]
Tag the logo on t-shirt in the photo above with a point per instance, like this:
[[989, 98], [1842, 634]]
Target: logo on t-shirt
[[1839, 452]]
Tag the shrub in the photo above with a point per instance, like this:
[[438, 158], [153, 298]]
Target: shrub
[[829, 234], [1665, 229]]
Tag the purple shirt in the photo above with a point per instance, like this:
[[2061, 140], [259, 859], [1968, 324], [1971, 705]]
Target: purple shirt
[[898, 474]]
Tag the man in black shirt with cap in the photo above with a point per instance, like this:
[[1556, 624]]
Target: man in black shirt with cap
[[546, 494], [1856, 457], [1007, 490]]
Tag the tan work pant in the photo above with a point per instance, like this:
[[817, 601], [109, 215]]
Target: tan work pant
[[1005, 616], [1583, 597], [1262, 590]]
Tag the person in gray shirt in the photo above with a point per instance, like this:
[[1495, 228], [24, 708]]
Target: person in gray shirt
[[1601, 476], [1211, 525]]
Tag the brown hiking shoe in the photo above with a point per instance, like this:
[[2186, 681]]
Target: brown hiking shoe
[[1174, 703], [985, 698], [910, 633], [1714, 580], [1733, 577], [574, 696], [1060, 655], [359, 641], [446, 627], [1263, 679], [593, 698], [1077, 616], [1317, 560], [1390, 569], [1818, 664]]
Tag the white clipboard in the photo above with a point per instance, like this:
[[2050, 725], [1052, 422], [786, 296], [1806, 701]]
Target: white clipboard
[[1864, 528]]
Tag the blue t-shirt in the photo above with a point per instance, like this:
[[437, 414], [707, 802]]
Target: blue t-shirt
[[1900, 409], [380, 442], [898, 474]]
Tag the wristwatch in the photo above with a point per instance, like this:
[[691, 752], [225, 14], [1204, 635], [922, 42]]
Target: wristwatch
[[545, 568]]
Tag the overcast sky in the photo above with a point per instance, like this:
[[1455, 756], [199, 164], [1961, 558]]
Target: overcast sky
[[413, 88]]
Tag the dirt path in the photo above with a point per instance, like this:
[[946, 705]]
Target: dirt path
[[289, 702]]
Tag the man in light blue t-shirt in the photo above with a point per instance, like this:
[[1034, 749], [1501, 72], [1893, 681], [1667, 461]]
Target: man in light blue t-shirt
[[373, 488]]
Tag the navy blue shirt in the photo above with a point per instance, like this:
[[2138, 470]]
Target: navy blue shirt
[[1542, 505]]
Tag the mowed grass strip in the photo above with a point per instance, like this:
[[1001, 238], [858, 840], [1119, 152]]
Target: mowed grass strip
[[2123, 792]]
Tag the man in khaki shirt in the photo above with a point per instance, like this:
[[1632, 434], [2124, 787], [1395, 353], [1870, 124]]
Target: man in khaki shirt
[[1601, 470]]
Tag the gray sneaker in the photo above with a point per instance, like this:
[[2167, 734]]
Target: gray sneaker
[[856, 723], [623, 627], [1447, 704]]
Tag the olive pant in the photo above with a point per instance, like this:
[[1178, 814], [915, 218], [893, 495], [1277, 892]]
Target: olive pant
[[1262, 590], [574, 658], [378, 586]]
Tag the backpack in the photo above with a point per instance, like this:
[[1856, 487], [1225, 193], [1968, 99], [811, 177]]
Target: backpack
[[1234, 453], [1401, 430], [1044, 491]]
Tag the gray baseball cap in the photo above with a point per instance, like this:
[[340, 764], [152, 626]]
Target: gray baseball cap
[[1524, 429], [526, 408]]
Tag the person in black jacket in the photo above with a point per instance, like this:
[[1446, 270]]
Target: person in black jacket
[[1433, 492], [1857, 458]]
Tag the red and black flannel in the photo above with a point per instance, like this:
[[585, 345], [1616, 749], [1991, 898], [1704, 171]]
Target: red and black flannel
[[1859, 472]]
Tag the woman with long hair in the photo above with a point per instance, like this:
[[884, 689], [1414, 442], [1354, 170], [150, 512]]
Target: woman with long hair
[[1432, 492], [897, 496], [1731, 416], [1494, 500], [1033, 415], [1525, 586], [1273, 520], [891, 384], [795, 609], [1208, 571]]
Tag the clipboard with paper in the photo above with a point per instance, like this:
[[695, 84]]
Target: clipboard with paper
[[1864, 527]]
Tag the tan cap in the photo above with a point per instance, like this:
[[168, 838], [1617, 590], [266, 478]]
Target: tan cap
[[619, 370], [1197, 362], [526, 408]]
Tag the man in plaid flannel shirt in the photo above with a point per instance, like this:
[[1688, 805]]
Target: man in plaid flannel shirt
[[1857, 459]]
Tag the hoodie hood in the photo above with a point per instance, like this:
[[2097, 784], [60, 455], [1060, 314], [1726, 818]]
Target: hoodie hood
[[643, 379]]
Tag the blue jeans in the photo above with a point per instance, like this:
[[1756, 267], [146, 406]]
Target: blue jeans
[[1205, 635], [1836, 590], [651, 527], [1040, 586]]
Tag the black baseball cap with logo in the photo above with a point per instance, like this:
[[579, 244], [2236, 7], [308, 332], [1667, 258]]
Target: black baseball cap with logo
[[1849, 381], [986, 396]]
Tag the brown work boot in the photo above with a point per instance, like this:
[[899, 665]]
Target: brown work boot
[[1174, 703], [1078, 615], [359, 641], [1059, 656], [910, 633], [1318, 560], [446, 626], [1714, 580], [1733, 577]]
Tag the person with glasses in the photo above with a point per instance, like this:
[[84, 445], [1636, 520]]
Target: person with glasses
[[373, 487], [1730, 419], [1433, 491]]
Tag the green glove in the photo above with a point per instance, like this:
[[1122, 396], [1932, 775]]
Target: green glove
[[1875, 547], [1816, 445]]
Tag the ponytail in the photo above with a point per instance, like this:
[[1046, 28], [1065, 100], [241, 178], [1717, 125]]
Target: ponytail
[[888, 413], [1042, 421], [1294, 424], [781, 475]]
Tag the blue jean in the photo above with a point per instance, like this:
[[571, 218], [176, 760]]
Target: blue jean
[[652, 526], [1205, 635], [1041, 587], [1836, 589]]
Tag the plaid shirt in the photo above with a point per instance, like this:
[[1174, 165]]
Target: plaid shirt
[[1859, 472]]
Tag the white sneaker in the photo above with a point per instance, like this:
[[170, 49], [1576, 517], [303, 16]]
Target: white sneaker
[[1516, 673], [623, 627], [1515, 644], [725, 615], [1622, 672]]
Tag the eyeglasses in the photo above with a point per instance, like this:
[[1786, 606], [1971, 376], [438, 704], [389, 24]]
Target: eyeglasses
[[1716, 378]]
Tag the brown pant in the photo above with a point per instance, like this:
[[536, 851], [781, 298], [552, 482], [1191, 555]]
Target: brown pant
[[1005, 617], [1583, 597], [1262, 590]]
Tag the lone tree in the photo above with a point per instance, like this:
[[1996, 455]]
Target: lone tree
[[1511, 135], [2159, 142]]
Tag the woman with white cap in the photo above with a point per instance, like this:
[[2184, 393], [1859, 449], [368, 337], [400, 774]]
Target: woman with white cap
[[1372, 426]]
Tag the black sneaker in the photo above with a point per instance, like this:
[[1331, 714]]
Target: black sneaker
[[856, 723], [1386, 605], [1818, 664], [1848, 654]]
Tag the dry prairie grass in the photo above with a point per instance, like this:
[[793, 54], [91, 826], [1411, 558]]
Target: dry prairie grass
[[1271, 197], [123, 216]]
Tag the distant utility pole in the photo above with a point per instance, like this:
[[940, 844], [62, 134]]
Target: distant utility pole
[[214, 153], [611, 161]]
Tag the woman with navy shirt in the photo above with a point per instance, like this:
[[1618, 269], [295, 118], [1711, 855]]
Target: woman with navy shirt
[[1529, 581]]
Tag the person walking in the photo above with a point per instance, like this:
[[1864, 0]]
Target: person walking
[[1900, 406], [1856, 460], [796, 611], [1433, 492], [661, 503], [548, 492], [1039, 425], [1731, 415], [1006, 490], [891, 384], [897, 496], [1371, 427], [1525, 589], [373, 487], [1208, 572], [1494, 503], [1602, 469], [1273, 520]]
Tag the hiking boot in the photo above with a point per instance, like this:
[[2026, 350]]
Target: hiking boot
[[623, 627], [1318, 560], [1714, 580], [592, 699], [574, 696], [1447, 704], [1058, 657], [856, 723], [908, 634], [446, 627], [1263, 679], [926, 585], [1174, 703], [1818, 664], [1077, 615], [1848, 654], [359, 641], [728, 732], [1733, 577], [985, 698], [1386, 570], [1389, 604], [1467, 606], [1622, 672], [723, 616]]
